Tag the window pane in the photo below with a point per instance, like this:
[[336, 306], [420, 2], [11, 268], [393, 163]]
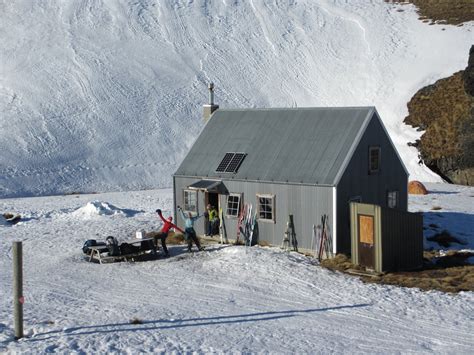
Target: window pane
[[392, 199], [233, 202], [374, 159], [190, 201], [265, 207]]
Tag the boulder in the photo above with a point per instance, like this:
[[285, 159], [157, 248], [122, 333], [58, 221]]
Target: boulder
[[417, 188]]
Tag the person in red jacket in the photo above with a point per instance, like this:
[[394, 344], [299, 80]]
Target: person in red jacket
[[163, 234]]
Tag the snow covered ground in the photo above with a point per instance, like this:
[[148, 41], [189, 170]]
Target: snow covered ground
[[106, 95], [447, 207], [225, 299]]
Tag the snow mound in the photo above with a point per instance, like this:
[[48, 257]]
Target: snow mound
[[9, 221], [97, 208]]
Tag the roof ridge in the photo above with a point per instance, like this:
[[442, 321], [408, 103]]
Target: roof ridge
[[296, 108]]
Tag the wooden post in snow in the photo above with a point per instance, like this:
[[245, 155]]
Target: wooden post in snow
[[18, 298]]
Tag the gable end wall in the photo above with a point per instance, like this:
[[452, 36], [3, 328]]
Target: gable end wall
[[372, 188]]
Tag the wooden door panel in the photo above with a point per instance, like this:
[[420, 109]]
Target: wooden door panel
[[366, 240], [366, 229]]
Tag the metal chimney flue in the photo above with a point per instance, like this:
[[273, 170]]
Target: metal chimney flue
[[211, 107], [211, 93]]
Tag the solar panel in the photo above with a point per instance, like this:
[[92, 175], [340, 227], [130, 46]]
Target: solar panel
[[235, 163], [225, 162], [230, 163]]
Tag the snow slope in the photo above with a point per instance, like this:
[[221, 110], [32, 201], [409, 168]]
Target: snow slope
[[102, 96], [225, 299], [446, 207]]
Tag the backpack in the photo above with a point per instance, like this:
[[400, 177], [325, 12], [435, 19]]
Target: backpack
[[126, 248], [90, 243], [113, 246]]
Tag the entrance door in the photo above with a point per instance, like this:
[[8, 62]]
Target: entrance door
[[366, 241], [212, 198]]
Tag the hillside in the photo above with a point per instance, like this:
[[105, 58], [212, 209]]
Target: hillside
[[445, 112], [106, 96]]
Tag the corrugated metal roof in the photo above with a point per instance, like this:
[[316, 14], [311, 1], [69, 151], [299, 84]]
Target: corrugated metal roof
[[298, 145]]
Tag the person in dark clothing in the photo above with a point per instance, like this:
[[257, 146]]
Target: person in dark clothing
[[190, 233], [163, 234]]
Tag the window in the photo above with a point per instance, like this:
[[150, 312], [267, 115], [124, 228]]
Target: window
[[233, 205], [266, 207], [231, 162], [374, 160], [190, 201], [392, 199]]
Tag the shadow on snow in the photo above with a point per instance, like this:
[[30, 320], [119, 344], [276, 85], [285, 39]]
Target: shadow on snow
[[457, 223], [183, 323]]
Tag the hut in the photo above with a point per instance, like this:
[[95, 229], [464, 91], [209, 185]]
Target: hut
[[305, 162]]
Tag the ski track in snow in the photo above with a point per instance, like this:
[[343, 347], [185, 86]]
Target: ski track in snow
[[111, 85], [225, 299]]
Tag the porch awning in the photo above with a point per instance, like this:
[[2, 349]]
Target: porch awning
[[208, 186]]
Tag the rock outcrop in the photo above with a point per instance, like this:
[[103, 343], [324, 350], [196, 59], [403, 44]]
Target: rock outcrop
[[445, 111], [468, 75]]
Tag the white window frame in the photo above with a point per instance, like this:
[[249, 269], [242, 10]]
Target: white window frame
[[272, 197], [379, 159], [393, 198], [239, 203], [186, 204]]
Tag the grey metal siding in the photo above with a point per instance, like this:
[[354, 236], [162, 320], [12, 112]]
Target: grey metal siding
[[306, 203], [372, 188]]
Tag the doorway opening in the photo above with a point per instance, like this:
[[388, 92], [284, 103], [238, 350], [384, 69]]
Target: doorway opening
[[212, 198]]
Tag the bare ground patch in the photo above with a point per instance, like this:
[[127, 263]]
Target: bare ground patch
[[453, 12], [447, 273]]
